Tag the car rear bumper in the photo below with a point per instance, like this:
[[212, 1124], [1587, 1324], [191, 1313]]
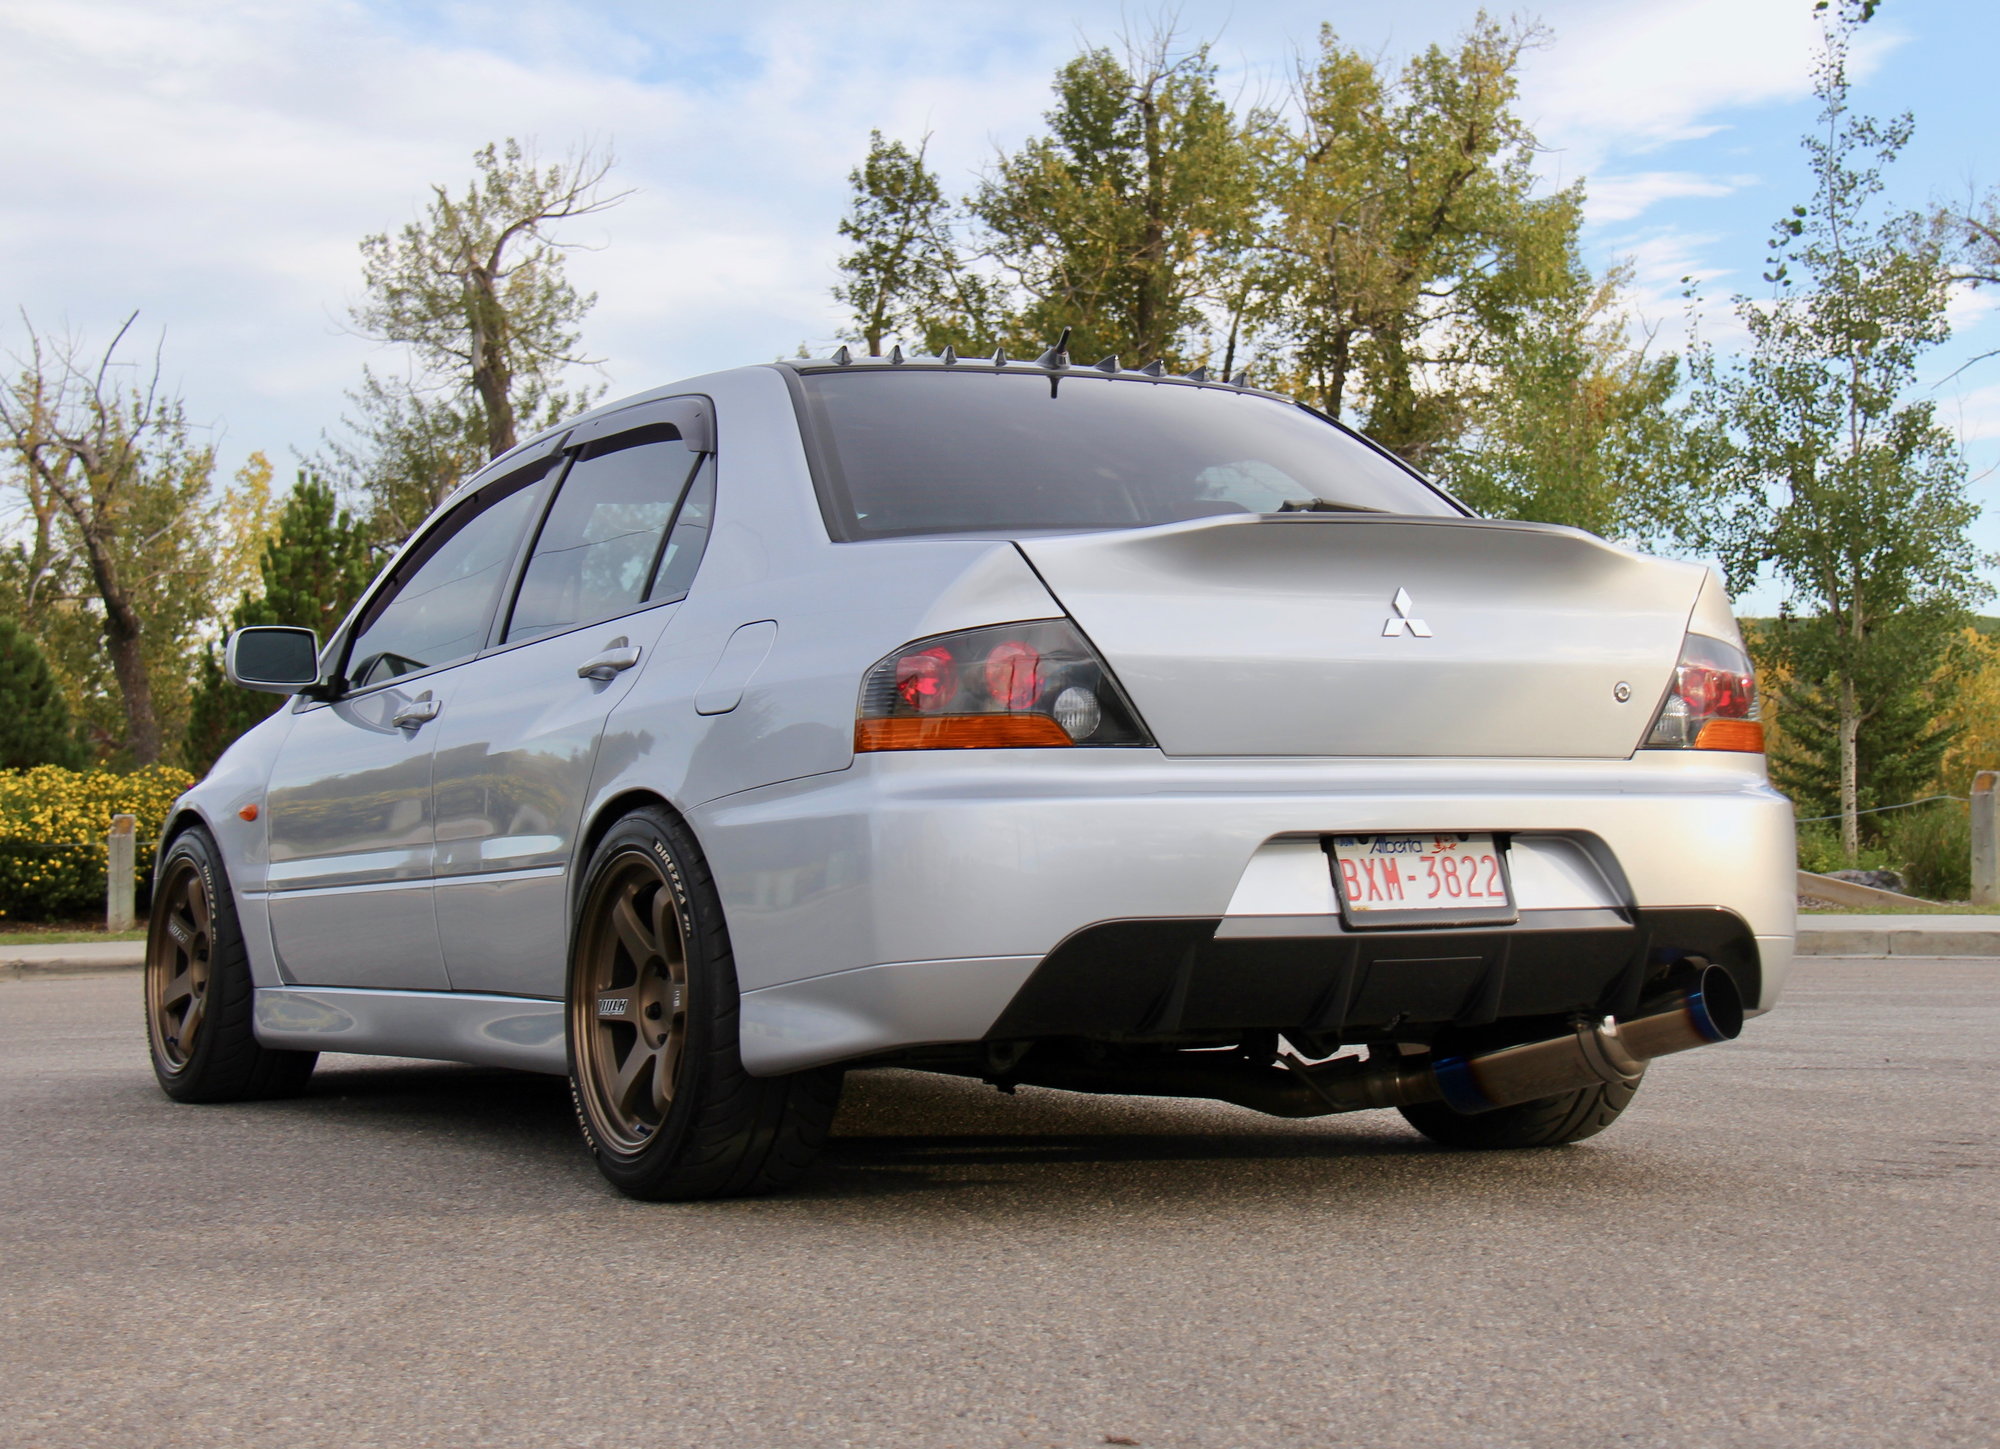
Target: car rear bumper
[[933, 898]]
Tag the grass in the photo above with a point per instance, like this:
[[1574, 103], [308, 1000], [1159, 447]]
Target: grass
[[1944, 908]]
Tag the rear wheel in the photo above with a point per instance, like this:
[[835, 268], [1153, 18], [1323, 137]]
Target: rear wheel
[[655, 1072], [199, 995], [1547, 1122]]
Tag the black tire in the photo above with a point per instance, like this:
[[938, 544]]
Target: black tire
[[1548, 1122], [656, 1075], [199, 996]]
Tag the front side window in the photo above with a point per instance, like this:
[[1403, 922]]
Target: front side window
[[968, 450], [440, 604], [601, 543]]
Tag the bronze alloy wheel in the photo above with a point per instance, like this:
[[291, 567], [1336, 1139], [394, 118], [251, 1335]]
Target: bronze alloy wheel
[[629, 1004], [179, 961]]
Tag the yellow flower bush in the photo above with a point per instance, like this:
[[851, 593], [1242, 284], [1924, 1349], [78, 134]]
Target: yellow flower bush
[[52, 827]]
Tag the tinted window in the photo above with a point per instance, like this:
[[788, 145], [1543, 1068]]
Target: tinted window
[[689, 538], [440, 609], [601, 540], [944, 452]]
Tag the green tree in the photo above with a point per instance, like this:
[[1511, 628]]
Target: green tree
[[1837, 476], [35, 727], [121, 572], [477, 289], [1409, 241], [1131, 215], [905, 278], [1574, 426], [403, 451], [312, 570]]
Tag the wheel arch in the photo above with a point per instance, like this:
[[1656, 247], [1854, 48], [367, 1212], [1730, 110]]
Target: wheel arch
[[607, 814], [180, 820]]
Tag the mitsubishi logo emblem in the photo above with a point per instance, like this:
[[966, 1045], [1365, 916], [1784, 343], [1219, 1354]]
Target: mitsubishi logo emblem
[[1397, 622]]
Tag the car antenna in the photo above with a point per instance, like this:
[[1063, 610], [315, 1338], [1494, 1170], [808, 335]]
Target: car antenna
[[1057, 357]]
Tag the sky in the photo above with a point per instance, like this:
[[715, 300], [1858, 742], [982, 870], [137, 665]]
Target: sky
[[213, 164]]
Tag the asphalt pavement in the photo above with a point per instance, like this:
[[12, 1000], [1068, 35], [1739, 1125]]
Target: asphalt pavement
[[1789, 1240]]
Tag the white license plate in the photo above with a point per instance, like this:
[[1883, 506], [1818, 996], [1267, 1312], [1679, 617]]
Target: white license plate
[[1436, 879]]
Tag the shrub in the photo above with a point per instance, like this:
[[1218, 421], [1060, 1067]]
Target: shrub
[[52, 827], [1819, 850], [1933, 845]]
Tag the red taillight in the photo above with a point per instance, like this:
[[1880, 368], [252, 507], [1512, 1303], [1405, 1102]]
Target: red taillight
[[927, 680], [1014, 674], [1713, 702], [1015, 686]]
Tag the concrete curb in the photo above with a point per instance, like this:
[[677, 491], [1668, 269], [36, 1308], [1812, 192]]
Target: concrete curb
[[1953, 936], [21, 961]]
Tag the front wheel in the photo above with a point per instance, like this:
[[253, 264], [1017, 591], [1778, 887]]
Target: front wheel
[[655, 1072], [199, 995]]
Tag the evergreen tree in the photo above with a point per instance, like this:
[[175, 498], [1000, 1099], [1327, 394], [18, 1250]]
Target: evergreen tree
[[1899, 746], [312, 570], [35, 726]]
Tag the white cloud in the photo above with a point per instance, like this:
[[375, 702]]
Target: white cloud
[[1626, 79], [1974, 414], [1621, 198]]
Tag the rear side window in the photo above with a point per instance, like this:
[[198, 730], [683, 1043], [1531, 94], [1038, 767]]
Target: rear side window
[[601, 543], [930, 451]]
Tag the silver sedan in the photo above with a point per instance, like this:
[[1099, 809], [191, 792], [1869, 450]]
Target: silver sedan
[[1072, 726]]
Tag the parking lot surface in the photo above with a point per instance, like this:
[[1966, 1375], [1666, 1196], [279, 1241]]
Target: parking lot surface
[[1790, 1240]]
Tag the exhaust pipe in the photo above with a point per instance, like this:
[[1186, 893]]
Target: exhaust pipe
[[1707, 1010]]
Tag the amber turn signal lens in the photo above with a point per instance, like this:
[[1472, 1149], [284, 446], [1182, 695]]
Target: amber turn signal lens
[[1732, 734], [960, 732], [248, 812]]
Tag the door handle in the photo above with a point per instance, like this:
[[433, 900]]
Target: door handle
[[416, 714], [617, 657]]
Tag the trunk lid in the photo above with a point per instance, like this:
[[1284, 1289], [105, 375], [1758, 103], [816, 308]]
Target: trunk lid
[[1359, 634]]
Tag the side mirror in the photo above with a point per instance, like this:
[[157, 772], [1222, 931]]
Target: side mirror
[[273, 658]]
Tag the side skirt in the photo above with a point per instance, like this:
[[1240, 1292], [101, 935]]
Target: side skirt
[[522, 1032]]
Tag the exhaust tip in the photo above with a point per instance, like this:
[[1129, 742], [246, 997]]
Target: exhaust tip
[[1715, 1005]]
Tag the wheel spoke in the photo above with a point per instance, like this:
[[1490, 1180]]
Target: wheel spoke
[[667, 1062], [638, 1067], [631, 932], [197, 905], [192, 1019], [178, 989]]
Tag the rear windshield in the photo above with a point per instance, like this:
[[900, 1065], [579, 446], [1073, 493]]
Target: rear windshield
[[915, 452]]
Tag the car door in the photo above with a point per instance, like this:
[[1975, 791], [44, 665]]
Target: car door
[[514, 759], [349, 804]]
